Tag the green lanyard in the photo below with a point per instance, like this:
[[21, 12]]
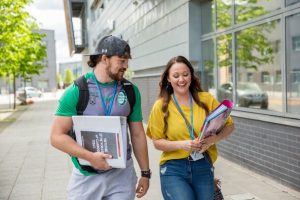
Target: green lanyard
[[190, 127]]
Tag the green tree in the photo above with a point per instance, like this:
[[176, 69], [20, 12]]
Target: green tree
[[253, 48], [7, 79], [128, 74], [21, 47], [58, 80], [250, 41], [69, 77]]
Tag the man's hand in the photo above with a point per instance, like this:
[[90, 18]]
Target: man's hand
[[98, 160], [142, 188]]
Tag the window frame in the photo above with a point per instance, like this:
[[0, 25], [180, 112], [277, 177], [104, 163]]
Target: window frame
[[281, 15]]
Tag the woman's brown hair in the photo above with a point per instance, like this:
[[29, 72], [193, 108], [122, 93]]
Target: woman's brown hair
[[166, 89]]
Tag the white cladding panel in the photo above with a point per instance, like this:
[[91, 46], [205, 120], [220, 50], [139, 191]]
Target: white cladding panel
[[159, 58], [155, 29]]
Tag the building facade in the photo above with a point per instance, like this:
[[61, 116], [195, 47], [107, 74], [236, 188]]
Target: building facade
[[247, 51], [46, 80], [76, 67]]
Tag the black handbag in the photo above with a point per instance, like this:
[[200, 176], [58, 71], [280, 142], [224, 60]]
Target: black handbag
[[218, 193]]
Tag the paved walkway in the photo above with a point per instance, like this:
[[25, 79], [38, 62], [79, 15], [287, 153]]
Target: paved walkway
[[30, 169]]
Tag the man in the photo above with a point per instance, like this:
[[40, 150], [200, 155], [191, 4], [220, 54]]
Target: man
[[109, 63]]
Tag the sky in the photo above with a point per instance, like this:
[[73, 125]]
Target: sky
[[49, 14]]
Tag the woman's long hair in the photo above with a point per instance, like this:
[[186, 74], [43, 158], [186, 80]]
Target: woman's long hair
[[166, 89]]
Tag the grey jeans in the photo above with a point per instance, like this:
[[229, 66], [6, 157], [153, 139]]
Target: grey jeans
[[112, 185]]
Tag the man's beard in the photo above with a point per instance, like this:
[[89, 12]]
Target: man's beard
[[115, 76]]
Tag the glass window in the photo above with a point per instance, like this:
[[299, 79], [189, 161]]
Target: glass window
[[250, 9], [43, 84], [77, 25], [258, 52], [93, 14], [208, 64], [296, 43], [250, 76], [296, 77], [207, 16], [278, 77], [292, 63], [224, 14], [291, 2], [224, 56], [265, 78]]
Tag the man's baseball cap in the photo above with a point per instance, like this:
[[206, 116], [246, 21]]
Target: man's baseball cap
[[112, 46]]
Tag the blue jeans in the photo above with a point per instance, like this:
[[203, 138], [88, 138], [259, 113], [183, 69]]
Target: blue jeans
[[187, 180]]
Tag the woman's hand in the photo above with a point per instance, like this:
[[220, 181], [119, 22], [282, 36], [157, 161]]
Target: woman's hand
[[190, 145], [215, 138], [207, 142]]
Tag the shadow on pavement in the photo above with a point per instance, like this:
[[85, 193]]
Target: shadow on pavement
[[8, 115]]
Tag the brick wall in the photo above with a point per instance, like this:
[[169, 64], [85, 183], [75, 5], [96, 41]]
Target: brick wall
[[268, 148], [149, 88]]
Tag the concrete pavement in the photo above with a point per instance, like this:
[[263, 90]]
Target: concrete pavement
[[30, 169]]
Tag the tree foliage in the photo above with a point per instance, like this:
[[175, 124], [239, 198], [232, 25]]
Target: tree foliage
[[129, 74], [59, 81], [21, 47], [69, 77], [253, 47], [58, 78]]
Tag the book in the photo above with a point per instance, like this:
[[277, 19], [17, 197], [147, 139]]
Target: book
[[101, 142], [214, 123], [106, 134]]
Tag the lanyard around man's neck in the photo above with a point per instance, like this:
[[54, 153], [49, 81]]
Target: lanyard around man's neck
[[189, 126], [107, 109]]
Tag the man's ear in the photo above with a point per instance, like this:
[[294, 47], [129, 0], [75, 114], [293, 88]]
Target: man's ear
[[104, 59]]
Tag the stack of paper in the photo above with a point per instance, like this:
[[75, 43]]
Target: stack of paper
[[106, 134]]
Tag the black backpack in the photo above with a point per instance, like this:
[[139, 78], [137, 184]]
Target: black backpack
[[83, 100]]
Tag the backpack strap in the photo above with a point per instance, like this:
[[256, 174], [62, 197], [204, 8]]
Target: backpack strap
[[83, 98], [128, 88], [82, 103]]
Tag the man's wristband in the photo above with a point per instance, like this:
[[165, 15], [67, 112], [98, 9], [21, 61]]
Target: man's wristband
[[146, 173]]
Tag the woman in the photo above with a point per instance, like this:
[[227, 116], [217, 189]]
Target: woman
[[176, 116]]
